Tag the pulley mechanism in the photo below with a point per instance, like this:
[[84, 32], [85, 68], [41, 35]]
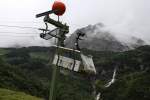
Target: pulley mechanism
[[61, 30]]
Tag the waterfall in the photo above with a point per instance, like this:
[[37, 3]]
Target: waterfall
[[112, 80], [98, 96]]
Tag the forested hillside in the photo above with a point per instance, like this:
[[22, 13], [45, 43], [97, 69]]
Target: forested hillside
[[28, 70]]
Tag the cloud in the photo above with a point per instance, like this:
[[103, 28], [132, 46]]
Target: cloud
[[123, 17]]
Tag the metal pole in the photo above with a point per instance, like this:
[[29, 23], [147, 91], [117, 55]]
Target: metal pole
[[64, 30], [53, 81], [54, 73], [54, 76]]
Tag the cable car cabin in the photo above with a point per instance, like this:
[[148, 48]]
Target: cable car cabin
[[73, 60]]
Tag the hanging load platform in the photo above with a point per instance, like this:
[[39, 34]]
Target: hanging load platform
[[74, 60]]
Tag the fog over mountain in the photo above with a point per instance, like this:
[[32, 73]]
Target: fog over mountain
[[123, 18], [99, 38]]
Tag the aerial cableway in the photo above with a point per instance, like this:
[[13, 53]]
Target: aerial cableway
[[71, 59]]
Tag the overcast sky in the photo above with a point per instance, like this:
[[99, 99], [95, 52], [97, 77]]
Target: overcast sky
[[122, 17]]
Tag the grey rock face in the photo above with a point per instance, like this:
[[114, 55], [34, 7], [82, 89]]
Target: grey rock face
[[101, 40]]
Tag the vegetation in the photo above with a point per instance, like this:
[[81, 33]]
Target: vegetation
[[28, 70], [134, 86], [6, 94]]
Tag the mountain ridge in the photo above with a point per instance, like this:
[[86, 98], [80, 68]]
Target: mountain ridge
[[99, 39]]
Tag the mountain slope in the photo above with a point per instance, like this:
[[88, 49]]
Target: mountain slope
[[6, 94], [97, 38], [133, 86], [27, 70], [21, 70]]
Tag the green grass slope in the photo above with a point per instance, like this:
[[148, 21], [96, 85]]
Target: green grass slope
[[12, 95]]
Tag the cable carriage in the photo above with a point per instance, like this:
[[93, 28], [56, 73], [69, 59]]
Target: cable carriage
[[74, 60], [71, 59], [68, 58]]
